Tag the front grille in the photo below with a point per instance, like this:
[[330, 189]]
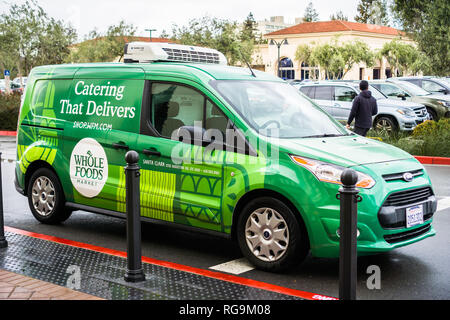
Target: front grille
[[399, 176], [420, 112], [403, 236], [192, 56], [412, 196]]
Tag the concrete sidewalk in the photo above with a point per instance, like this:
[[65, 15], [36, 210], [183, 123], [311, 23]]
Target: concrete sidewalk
[[14, 286]]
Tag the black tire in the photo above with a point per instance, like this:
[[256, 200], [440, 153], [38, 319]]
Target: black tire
[[297, 245], [385, 123], [39, 199], [433, 114]]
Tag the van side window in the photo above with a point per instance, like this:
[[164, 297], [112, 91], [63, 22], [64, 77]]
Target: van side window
[[174, 106], [344, 94], [41, 102], [324, 93], [215, 118]]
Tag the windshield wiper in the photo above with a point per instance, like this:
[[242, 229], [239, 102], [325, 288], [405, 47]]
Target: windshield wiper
[[326, 135]]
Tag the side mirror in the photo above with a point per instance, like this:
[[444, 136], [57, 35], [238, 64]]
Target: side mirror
[[401, 95]]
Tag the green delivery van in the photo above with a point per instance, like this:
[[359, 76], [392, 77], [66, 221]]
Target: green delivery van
[[223, 150]]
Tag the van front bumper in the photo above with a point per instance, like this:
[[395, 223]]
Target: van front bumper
[[381, 222]]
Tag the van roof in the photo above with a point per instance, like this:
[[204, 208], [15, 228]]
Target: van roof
[[200, 71]]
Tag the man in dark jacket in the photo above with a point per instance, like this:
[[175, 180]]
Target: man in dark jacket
[[363, 108]]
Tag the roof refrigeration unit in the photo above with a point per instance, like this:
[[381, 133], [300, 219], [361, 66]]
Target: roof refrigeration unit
[[159, 51]]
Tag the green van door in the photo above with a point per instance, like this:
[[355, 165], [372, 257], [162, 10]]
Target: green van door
[[181, 178]]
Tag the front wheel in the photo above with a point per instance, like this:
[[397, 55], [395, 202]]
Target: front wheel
[[386, 124], [270, 236], [46, 197]]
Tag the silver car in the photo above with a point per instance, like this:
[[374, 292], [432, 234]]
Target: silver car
[[336, 97]]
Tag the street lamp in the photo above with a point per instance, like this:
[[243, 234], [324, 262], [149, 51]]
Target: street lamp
[[150, 30], [278, 44]]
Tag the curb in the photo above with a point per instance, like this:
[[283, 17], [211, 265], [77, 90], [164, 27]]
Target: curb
[[433, 160], [8, 133]]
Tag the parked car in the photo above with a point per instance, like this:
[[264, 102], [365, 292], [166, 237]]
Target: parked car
[[13, 86], [431, 84], [22, 83], [337, 97], [438, 106]]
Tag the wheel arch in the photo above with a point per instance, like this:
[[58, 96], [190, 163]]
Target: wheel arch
[[259, 193], [387, 115], [32, 167]]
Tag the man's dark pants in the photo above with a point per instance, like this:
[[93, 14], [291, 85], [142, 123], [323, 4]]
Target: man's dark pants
[[361, 131]]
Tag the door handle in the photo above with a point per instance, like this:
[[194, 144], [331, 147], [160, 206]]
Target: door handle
[[120, 145], [336, 105], [151, 152]]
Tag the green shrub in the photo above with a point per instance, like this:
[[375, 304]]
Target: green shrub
[[430, 138], [9, 111]]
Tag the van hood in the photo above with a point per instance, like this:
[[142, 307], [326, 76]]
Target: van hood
[[393, 103], [346, 151]]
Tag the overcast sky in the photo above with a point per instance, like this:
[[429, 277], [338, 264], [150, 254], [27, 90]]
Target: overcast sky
[[86, 15]]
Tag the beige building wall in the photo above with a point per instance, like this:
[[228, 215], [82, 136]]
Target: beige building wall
[[267, 54]]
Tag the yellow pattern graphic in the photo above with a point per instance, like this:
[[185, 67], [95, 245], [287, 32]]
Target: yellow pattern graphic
[[157, 194]]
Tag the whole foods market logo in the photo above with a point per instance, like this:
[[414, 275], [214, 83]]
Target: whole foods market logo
[[88, 167]]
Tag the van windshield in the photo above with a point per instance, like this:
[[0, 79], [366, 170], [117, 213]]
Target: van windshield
[[277, 109]]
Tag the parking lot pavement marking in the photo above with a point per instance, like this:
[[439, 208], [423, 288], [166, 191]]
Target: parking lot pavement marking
[[237, 266], [443, 203]]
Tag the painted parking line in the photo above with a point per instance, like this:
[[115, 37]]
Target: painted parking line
[[237, 266], [443, 204]]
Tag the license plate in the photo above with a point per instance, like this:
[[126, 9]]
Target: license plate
[[414, 215]]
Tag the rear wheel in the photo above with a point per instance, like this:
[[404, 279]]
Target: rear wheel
[[270, 236], [46, 197]]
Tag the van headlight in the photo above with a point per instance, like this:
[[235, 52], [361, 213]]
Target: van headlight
[[331, 173]]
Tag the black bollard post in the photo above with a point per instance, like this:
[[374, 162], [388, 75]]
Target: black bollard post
[[134, 273], [3, 242], [348, 195]]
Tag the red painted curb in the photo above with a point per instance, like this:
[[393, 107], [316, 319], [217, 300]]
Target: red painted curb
[[433, 160], [206, 273], [8, 133]]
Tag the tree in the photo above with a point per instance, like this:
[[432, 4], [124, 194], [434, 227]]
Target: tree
[[99, 47], [403, 58], [337, 60], [311, 14], [428, 23], [339, 16], [304, 53], [249, 29], [29, 38], [220, 34], [373, 12]]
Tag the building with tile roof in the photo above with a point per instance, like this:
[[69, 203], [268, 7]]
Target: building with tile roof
[[313, 33]]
